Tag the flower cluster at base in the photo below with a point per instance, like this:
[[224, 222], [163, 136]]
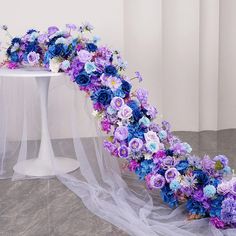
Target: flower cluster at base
[[151, 150]]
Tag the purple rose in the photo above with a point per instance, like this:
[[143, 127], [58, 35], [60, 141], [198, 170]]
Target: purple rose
[[121, 133], [52, 30], [117, 103], [156, 181], [42, 38], [33, 58], [123, 151], [71, 26], [171, 174], [233, 187], [84, 56], [135, 144]]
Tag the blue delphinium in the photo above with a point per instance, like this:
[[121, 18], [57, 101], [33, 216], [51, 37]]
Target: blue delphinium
[[169, 197], [14, 57], [145, 168], [126, 87], [195, 207], [136, 110], [215, 210]]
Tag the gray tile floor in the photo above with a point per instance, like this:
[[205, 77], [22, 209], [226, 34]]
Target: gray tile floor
[[48, 208]]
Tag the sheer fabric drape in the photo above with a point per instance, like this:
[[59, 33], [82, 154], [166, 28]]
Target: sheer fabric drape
[[105, 187]]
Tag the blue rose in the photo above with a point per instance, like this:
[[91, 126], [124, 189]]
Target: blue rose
[[31, 31], [91, 47], [110, 70], [82, 79], [126, 87], [103, 96], [169, 152], [59, 49], [137, 114], [132, 104], [182, 166], [202, 177], [47, 57], [15, 40], [14, 57], [32, 47]]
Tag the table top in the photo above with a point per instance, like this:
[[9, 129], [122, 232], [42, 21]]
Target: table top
[[28, 72]]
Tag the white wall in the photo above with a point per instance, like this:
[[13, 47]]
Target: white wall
[[107, 18]]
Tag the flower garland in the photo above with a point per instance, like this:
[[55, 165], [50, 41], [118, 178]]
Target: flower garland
[[158, 157]]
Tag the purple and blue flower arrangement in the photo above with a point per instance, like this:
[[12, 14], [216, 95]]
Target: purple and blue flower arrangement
[[152, 152]]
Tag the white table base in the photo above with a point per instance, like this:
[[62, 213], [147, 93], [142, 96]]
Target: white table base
[[46, 164]]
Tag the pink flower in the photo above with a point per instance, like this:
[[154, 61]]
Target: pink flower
[[133, 165], [219, 224], [11, 65]]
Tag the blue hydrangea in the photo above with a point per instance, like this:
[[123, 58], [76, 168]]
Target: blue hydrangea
[[145, 168], [215, 210], [135, 131], [168, 196], [195, 207]]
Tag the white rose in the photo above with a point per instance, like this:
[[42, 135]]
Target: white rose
[[151, 136], [54, 65]]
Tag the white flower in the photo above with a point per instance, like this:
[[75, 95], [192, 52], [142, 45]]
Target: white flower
[[54, 65], [61, 40], [151, 136]]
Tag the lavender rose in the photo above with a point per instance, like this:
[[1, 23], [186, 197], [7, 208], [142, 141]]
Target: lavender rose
[[33, 58], [121, 133], [84, 56]]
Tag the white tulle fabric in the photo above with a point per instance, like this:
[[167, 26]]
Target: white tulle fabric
[[105, 188]]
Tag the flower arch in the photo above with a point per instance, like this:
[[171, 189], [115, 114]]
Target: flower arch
[[151, 150]]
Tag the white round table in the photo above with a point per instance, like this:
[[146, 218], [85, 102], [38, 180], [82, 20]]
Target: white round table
[[46, 164]]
